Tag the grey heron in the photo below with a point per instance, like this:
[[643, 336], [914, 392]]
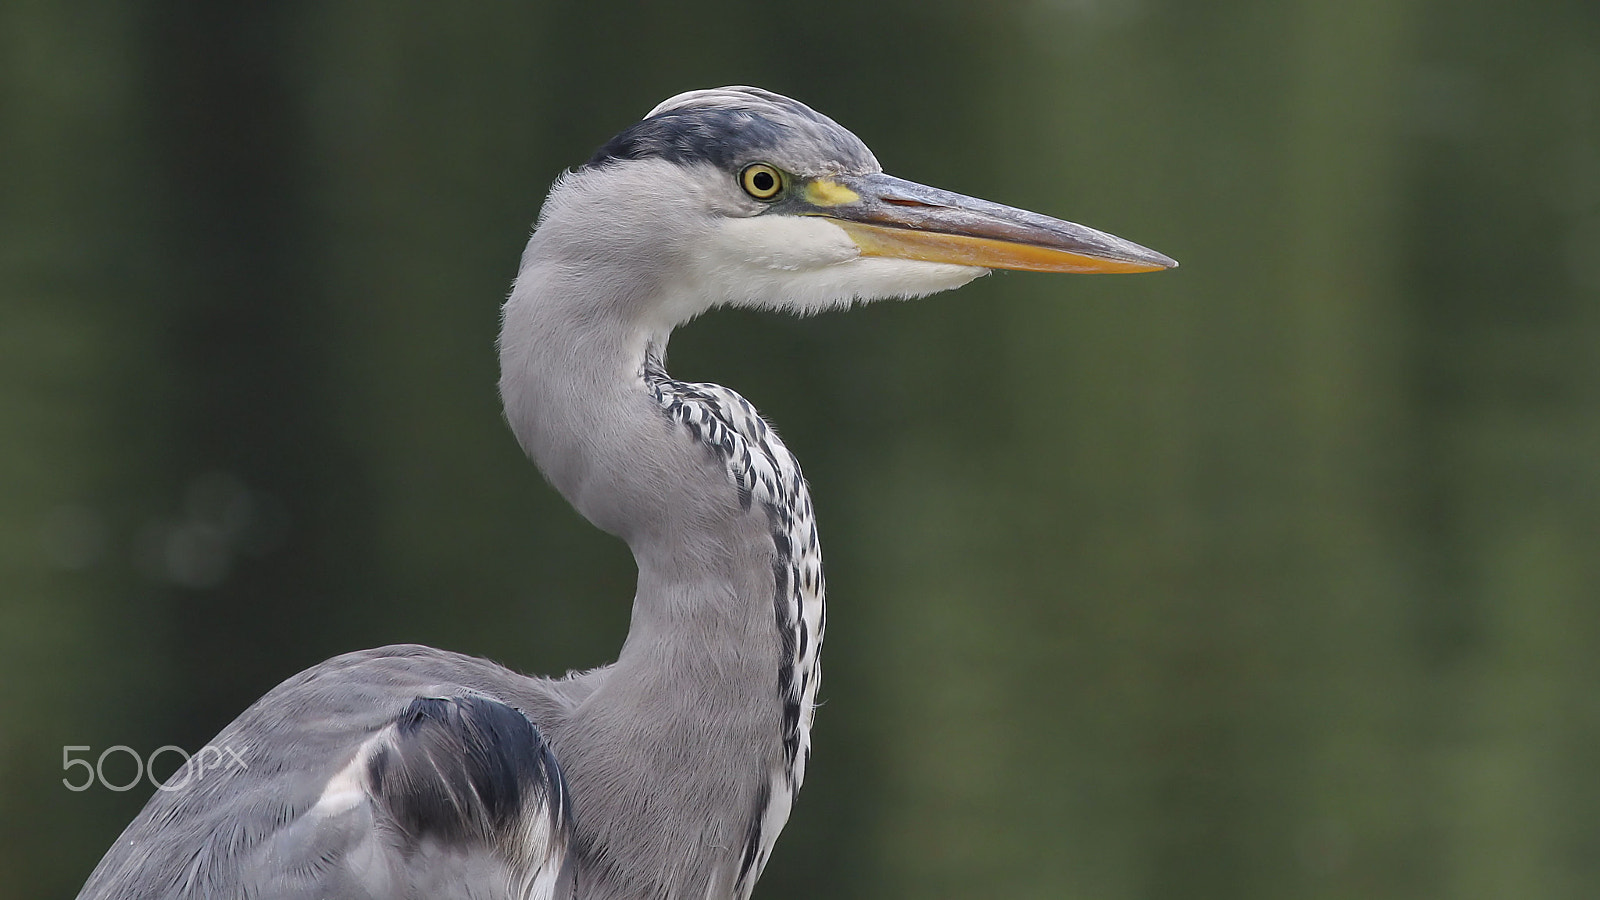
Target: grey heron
[[411, 772]]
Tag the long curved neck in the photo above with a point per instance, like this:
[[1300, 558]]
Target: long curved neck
[[721, 660], [576, 395]]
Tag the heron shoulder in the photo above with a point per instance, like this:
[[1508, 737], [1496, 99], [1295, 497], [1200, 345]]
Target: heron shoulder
[[396, 769]]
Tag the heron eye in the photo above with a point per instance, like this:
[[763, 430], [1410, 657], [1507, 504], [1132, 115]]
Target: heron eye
[[761, 181]]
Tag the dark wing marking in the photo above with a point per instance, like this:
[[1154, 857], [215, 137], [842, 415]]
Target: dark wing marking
[[465, 769]]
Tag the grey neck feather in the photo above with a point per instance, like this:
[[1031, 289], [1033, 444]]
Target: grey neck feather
[[711, 696]]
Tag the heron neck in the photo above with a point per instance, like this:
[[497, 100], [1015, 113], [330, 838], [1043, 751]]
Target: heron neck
[[722, 653], [583, 392]]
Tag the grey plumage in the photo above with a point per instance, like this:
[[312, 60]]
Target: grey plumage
[[412, 772], [734, 125], [273, 829]]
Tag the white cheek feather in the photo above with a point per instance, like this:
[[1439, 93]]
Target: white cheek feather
[[782, 243], [806, 264]]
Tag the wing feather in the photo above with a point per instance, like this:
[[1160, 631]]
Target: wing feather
[[390, 773]]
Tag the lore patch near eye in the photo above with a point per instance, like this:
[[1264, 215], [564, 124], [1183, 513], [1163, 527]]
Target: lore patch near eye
[[827, 192]]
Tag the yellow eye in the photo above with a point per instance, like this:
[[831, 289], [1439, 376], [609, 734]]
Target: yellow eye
[[761, 181]]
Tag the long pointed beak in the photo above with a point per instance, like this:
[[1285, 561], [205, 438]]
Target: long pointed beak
[[888, 216]]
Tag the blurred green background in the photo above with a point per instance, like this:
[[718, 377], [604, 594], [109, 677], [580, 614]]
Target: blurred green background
[[1271, 577]]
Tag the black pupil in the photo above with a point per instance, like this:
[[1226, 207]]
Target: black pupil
[[762, 181]]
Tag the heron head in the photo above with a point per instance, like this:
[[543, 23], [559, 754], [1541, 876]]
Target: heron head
[[739, 196]]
